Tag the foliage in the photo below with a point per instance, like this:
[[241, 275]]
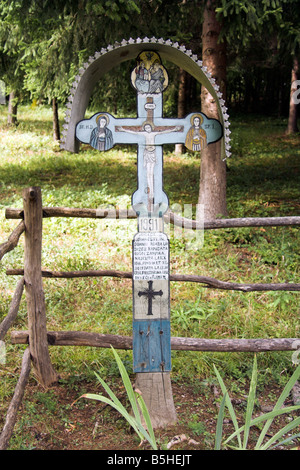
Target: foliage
[[268, 418], [242, 19], [43, 44], [48, 41], [261, 39], [136, 401], [10, 36]]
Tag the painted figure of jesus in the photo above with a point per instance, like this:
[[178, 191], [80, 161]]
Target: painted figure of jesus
[[149, 131]]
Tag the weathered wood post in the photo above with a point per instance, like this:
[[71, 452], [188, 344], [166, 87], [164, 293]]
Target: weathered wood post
[[38, 344], [151, 320]]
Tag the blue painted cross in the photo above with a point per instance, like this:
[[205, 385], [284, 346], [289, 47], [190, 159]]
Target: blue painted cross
[[150, 131]]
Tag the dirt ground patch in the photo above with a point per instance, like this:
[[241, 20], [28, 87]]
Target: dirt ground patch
[[56, 419]]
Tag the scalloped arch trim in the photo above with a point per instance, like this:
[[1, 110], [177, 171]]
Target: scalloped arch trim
[[107, 58]]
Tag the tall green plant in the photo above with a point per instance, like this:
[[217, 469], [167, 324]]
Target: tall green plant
[[274, 441], [136, 401]]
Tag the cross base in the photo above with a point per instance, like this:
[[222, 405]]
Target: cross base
[[157, 393]]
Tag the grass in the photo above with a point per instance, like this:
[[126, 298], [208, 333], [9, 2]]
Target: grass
[[263, 180]]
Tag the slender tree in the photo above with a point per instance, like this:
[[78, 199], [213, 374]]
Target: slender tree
[[212, 189], [181, 103], [290, 43], [226, 21], [292, 126], [10, 72]]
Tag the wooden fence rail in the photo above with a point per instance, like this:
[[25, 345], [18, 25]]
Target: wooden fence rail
[[11, 416], [13, 240], [13, 310], [170, 217], [208, 282], [99, 340], [39, 338]]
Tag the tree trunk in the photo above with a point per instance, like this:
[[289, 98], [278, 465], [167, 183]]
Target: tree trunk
[[56, 133], [212, 191], [181, 110], [12, 109], [293, 109]]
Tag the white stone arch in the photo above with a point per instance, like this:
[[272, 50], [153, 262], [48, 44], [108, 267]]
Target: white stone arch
[[111, 56]]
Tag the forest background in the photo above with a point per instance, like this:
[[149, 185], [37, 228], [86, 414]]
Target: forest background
[[43, 44]]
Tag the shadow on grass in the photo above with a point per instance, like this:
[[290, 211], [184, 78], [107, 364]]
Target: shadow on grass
[[265, 170], [75, 171]]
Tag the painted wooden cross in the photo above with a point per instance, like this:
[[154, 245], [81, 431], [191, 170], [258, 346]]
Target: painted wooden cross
[[150, 131]]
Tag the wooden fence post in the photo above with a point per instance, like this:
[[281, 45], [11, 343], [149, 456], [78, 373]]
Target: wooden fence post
[[33, 214]]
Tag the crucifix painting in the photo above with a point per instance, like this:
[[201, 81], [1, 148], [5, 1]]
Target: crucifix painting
[[149, 131]]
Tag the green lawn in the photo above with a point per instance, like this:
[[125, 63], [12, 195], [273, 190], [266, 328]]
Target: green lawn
[[263, 180]]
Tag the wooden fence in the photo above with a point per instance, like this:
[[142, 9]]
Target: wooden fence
[[39, 339]]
